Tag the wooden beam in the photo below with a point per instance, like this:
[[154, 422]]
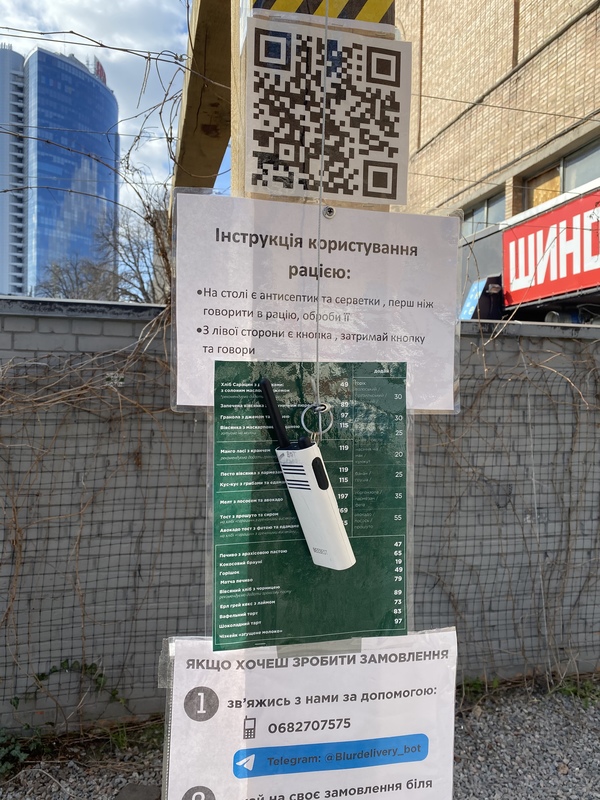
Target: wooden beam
[[205, 117]]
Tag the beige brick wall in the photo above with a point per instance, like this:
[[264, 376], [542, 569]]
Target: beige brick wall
[[541, 19], [459, 154]]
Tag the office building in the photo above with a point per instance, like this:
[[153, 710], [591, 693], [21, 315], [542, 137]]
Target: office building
[[505, 104], [505, 128], [59, 152], [12, 231]]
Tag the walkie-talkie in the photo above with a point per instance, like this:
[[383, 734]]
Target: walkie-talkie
[[310, 489]]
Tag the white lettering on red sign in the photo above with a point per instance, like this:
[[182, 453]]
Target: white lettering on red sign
[[553, 254]]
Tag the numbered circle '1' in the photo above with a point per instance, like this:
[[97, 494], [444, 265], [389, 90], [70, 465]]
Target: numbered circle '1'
[[201, 703]]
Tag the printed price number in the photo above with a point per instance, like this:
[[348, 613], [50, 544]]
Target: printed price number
[[345, 389], [309, 725]]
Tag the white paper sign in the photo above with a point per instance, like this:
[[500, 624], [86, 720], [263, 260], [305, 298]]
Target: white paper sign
[[274, 281], [255, 723]]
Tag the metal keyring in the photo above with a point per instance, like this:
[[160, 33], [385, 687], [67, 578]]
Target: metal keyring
[[320, 409]]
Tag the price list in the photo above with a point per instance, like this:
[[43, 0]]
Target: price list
[[267, 590]]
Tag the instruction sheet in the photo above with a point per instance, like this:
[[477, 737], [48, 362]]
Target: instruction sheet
[[267, 723]]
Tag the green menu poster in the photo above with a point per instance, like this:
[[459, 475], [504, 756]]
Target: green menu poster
[[267, 590]]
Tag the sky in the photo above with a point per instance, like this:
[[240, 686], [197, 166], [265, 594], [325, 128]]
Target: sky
[[111, 31]]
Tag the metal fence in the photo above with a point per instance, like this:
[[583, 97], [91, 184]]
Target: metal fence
[[103, 494], [509, 551], [104, 550]]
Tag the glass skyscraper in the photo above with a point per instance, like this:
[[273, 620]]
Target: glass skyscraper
[[13, 278], [68, 170]]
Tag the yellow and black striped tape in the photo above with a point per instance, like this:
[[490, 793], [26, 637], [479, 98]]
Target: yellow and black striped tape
[[363, 10]]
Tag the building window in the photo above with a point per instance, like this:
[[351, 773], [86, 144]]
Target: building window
[[570, 172], [488, 212], [582, 167], [543, 187]]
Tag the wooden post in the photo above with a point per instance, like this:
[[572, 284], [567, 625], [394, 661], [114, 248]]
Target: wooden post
[[204, 122]]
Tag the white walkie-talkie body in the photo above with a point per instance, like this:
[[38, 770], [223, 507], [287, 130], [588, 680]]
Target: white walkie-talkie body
[[311, 493]]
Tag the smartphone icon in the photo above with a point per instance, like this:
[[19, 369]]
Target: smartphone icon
[[249, 727]]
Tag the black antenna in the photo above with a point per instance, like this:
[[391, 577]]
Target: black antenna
[[274, 412]]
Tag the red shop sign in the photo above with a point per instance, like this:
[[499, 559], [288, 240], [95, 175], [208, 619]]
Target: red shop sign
[[553, 254]]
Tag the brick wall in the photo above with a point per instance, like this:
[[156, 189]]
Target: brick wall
[[534, 108]]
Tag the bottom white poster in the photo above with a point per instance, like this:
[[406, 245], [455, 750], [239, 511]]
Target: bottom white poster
[[279, 725]]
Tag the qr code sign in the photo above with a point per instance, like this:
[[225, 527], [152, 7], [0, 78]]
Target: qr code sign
[[365, 116]]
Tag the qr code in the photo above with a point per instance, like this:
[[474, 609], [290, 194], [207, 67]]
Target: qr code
[[363, 123]]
